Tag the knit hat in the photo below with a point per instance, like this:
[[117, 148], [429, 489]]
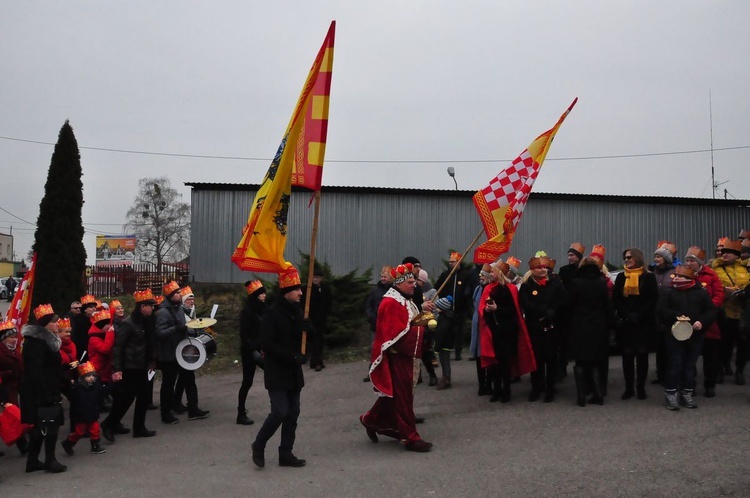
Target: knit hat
[[422, 276], [577, 249], [186, 293], [665, 250], [289, 280], [444, 303], [733, 247], [696, 254], [411, 259]]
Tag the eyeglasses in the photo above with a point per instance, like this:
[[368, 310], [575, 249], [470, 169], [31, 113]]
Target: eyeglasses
[[76, 309], [417, 265], [627, 258]]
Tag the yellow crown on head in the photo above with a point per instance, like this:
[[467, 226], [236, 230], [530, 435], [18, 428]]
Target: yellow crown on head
[[253, 286], [169, 288], [598, 252], [144, 295], [186, 290], [43, 310], [88, 299], [7, 325], [289, 278], [100, 316], [85, 369], [455, 256], [115, 304], [63, 324]]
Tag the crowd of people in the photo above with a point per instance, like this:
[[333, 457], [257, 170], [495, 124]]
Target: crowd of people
[[539, 321]]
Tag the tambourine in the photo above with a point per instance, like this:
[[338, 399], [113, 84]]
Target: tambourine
[[682, 330]]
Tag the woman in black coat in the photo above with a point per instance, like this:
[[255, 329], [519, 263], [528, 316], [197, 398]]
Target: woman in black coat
[[250, 316], [591, 318], [40, 389], [634, 297]]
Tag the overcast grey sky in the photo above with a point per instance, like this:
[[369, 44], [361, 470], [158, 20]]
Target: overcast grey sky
[[419, 81]]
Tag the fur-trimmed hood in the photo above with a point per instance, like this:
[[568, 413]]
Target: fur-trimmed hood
[[43, 334]]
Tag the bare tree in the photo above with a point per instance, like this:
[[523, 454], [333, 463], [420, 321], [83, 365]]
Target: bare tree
[[160, 222]]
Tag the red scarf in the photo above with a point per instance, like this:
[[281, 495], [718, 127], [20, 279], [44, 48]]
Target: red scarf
[[683, 285]]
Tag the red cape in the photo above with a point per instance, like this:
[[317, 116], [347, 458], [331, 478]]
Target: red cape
[[524, 362], [394, 322]]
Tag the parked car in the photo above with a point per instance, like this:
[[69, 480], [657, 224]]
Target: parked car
[[3, 288]]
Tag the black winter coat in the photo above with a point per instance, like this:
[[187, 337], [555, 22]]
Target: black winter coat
[[694, 303], [43, 371], [281, 340], [590, 315], [636, 315], [79, 333], [134, 347], [170, 330], [85, 400], [250, 317], [542, 306]]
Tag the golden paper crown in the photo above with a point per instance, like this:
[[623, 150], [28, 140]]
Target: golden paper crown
[[733, 245], [159, 299], [86, 368], [88, 299], [598, 252], [551, 263], [402, 272], [722, 241], [684, 271], [289, 278], [186, 290], [253, 286], [43, 310], [455, 255], [144, 295], [513, 262], [7, 325], [169, 288], [115, 304], [536, 262], [577, 247], [697, 253], [63, 324], [100, 316]]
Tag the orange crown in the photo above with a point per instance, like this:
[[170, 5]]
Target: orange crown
[[577, 247], [7, 325], [101, 315], [186, 290], [722, 242], [455, 255], [598, 252], [170, 287], [88, 299], [159, 299], [289, 278], [253, 286], [144, 295], [85, 369], [402, 272], [43, 310], [684, 271], [115, 304], [63, 324], [513, 262]]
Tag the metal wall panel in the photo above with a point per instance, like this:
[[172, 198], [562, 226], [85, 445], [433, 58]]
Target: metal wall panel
[[367, 229]]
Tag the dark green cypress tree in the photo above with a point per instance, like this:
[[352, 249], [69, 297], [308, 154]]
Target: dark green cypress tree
[[61, 257]]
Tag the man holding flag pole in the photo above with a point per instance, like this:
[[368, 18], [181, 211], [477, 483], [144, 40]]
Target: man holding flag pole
[[299, 161]]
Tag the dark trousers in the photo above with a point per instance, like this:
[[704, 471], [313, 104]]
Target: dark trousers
[[169, 371], [248, 374], [285, 410], [711, 361], [682, 357], [629, 362], [133, 386], [316, 347], [731, 336], [662, 361]]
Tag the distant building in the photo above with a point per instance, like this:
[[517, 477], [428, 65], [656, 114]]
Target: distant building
[[6, 247], [363, 227]]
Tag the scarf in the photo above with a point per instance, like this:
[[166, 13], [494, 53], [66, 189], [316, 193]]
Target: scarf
[[542, 282], [683, 285], [631, 283]]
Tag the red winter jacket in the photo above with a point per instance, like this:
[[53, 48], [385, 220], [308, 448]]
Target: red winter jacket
[[101, 353], [711, 282]]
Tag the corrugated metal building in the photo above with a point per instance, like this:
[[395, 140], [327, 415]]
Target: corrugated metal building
[[363, 227]]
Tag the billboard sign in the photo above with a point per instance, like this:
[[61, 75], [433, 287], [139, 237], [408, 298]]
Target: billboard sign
[[115, 249]]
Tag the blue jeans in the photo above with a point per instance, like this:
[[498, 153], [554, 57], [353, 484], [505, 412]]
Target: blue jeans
[[284, 412], [682, 357]]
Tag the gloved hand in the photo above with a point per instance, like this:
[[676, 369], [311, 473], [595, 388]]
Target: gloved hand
[[300, 359]]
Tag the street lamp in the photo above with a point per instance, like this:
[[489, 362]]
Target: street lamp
[[452, 174]]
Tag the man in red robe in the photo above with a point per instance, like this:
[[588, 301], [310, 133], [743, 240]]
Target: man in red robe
[[398, 342]]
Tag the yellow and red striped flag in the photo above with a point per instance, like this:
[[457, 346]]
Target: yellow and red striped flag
[[299, 161], [19, 309], [500, 204]]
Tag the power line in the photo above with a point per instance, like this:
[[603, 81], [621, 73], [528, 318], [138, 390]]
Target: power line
[[390, 161]]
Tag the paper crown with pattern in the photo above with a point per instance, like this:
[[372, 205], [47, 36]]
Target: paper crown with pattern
[[100, 316], [144, 296], [578, 249], [63, 324], [114, 304], [43, 310], [598, 252], [253, 286], [733, 246], [722, 241], [7, 325], [187, 291], [401, 273], [536, 262], [514, 263], [684, 271], [696, 253], [88, 299], [455, 256], [85, 369], [289, 278], [169, 288]]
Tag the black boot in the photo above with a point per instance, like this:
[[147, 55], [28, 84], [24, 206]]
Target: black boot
[[287, 459], [628, 371], [96, 448], [242, 418], [51, 464], [579, 375], [596, 387], [641, 373], [67, 446], [35, 446], [23, 445]]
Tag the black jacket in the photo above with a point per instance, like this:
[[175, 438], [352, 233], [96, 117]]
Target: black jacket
[[43, 371], [281, 340], [590, 315], [85, 400], [636, 314], [134, 347], [79, 333], [250, 324], [170, 330], [694, 303]]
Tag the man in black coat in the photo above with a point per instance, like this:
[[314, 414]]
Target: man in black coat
[[281, 339]]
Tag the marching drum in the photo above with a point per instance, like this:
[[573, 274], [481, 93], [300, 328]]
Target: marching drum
[[194, 352]]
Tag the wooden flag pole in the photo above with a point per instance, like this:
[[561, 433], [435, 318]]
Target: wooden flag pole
[[311, 270], [457, 265]]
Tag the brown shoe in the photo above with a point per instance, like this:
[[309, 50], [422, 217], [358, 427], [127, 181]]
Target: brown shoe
[[420, 446], [443, 384]]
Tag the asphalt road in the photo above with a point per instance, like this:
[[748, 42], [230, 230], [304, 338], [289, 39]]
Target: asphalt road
[[625, 448]]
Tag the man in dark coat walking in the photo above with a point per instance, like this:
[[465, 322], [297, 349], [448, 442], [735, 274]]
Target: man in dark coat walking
[[281, 339]]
